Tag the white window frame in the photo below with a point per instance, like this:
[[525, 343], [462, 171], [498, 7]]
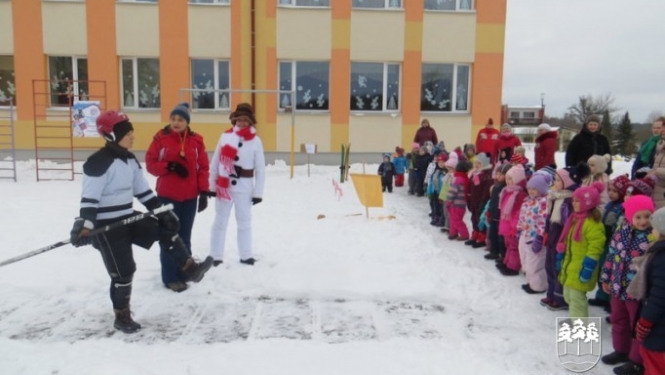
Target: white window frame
[[139, 1], [294, 86], [386, 5], [216, 84], [384, 100], [135, 84], [453, 93], [75, 78], [294, 3], [457, 7]]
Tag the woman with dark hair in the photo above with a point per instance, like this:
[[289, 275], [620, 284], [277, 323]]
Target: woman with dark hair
[[588, 142]]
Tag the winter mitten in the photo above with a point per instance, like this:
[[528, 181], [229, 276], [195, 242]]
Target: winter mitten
[[642, 329], [537, 244], [559, 261], [203, 201], [178, 168], [169, 221], [588, 266], [80, 234], [256, 200]]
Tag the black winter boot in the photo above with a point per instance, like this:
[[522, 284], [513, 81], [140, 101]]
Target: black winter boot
[[124, 322], [248, 261], [630, 368], [614, 358], [195, 271]]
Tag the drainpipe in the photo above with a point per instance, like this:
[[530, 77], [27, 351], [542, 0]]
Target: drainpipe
[[253, 51]]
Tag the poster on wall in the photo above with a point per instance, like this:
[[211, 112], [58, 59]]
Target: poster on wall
[[84, 118]]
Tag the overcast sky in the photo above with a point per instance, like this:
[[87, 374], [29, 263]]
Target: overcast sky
[[568, 48]]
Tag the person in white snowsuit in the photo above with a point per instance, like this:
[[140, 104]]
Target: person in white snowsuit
[[237, 175]]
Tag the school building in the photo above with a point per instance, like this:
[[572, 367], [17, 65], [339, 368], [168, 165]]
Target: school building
[[364, 72]]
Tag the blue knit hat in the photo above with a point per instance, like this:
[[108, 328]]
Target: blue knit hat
[[181, 110]]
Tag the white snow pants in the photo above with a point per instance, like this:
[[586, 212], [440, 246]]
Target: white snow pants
[[533, 265], [242, 200]]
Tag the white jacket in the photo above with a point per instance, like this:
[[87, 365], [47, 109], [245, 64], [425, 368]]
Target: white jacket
[[250, 156]]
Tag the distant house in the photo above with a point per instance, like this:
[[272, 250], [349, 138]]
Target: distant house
[[525, 121]]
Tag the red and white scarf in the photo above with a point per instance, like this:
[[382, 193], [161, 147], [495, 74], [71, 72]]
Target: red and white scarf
[[228, 156]]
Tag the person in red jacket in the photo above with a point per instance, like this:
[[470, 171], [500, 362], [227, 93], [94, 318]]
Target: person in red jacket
[[178, 158], [486, 140], [505, 146], [546, 145], [425, 133]]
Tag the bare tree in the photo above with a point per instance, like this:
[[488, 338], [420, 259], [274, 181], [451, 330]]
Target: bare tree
[[653, 115], [589, 105]]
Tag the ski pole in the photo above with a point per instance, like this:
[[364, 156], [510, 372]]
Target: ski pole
[[106, 228]]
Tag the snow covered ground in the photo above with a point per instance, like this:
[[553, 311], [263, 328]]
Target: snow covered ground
[[339, 295]]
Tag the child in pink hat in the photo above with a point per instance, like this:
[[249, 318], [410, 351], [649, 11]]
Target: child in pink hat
[[579, 249], [511, 199], [628, 242]]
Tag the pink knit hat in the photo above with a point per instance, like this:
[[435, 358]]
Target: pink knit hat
[[564, 175], [452, 160], [637, 203], [589, 196], [516, 173], [415, 146]]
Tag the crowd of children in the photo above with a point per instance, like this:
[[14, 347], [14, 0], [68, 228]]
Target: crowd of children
[[569, 231]]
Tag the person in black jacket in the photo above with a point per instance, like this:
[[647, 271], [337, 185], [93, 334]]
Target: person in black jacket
[[589, 141], [387, 173], [112, 178], [650, 281]]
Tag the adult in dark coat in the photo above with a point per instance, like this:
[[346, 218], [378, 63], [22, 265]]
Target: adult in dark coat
[[647, 152], [546, 146], [425, 133], [589, 141]]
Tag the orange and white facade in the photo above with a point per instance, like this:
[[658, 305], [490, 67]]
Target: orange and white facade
[[365, 72]]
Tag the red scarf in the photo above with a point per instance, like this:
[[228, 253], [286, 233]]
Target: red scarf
[[228, 156]]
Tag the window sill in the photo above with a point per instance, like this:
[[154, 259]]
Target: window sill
[[287, 6], [137, 2], [208, 110], [376, 113], [64, 1], [140, 110], [399, 10], [463, 11], [304, 112], [210, 4], [443, 113]]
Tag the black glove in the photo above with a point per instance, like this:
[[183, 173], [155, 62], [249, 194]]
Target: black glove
[[210, 194], [256, 201], [169, 221], [203, 201], [178, 168], [80, 234]]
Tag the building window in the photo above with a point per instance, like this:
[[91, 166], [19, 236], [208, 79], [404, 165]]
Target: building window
[[378, 4], [514, 115], [140, 83], [448, 4], [210, 2], [306, 3], [68, 76], [210, 75], [7, 86], [445, 88], [374, 87], [530, 115], [311, 84]]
